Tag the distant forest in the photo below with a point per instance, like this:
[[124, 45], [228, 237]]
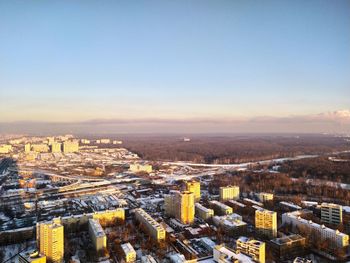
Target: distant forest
[[231, 149]]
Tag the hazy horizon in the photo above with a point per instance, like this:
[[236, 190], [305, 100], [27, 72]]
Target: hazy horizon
[[184, 67]]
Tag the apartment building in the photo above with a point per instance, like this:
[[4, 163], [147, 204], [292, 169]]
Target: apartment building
[[229, 192], [195, 188], [153, 228], [50, 238], [331, 213], [181, 206], [97, 235], [338, 239], [203, 212], [266, 222]]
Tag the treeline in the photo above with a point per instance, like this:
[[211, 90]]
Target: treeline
[[280, 184], [228, 149], [319, 168]]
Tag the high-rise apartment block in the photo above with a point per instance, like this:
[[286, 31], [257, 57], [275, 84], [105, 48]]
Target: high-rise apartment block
[[97, 235], [195, 188], [229, 193], [55, 147], [203, 212], [181, 206], [70, 146], [266, 222], [50, 238], [251, 247], [331, 213], [153, 228]]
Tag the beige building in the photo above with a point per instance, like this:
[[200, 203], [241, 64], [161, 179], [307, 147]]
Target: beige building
[[203, 212], [97, 235], [266, 222], [56, 147], [50, 238], [181, 206], [229, 193], [5, 148], [153, 228], [194, 187], [136, 168], [110, 217], [251, 247], [40, 148], [331, 213], [27, 148], [129, 252], [70, 146]]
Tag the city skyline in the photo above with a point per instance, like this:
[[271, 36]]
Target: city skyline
[[169, 66]]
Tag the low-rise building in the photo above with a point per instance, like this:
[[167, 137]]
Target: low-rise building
[[251, 247], [137, 167], [223, 254], [232, 224], [5, 148], [287, 247], [220, 208], [128, 252], [263, 197]]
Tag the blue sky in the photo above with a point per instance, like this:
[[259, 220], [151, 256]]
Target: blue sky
[[81, 60]]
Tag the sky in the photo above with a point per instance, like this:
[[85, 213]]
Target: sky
[[191, 66]]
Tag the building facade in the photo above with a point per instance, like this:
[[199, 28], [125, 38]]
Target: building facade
[[203, 212], [50, 238], [153, 228], [266, 222], [181, 206], [195, 188], [251, 247], [229, 193], [331, 213], [97, 235]]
